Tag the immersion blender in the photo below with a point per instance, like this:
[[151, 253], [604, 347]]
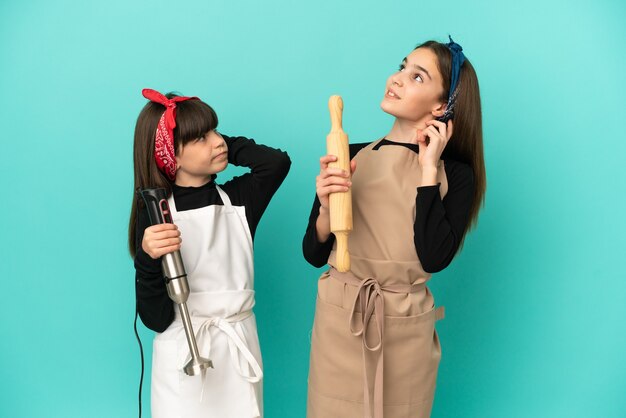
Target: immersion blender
[[175, 276]]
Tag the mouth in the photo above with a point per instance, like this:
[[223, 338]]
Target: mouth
[[221, 155], [392, 94]]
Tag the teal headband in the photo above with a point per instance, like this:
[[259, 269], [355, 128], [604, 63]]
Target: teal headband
[[458, 58]]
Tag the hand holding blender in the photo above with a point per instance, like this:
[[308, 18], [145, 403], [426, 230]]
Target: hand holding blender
[[175, 277]]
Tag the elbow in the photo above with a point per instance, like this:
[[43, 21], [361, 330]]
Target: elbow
[[277, 167], [157, 322], [317, 263], [152, 324], [312, 257], [436, 258], [159, 326], [283, 164], [430, 266], [312, 260]]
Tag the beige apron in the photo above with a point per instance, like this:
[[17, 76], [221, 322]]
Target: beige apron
[[384, 297]]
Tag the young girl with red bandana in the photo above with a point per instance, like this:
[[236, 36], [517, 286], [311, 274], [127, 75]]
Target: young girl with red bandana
[[177, 147]]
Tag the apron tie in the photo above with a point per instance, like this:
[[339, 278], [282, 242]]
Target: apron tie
[[370, 299], [237, 347]]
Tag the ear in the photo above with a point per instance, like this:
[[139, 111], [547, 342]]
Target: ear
[[179, 154], [439, 109]]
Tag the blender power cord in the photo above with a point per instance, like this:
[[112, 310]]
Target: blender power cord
[[141, 352]]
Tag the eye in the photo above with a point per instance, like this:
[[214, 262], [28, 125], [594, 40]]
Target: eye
[[401, 67], [418, 78]]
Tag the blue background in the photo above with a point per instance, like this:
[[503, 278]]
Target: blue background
[[535, 301]]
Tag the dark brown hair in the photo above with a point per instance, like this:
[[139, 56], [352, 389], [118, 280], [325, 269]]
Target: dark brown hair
[[466, 143], [194, 119]]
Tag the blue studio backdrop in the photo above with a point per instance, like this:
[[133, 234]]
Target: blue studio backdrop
[[535, 301]]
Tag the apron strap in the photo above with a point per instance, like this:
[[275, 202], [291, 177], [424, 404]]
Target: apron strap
[[172, 204], [225, 199], [237, 347]]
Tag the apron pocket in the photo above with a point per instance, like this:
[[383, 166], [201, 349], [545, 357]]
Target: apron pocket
[[336, 364], [411, 357], [412, 354]]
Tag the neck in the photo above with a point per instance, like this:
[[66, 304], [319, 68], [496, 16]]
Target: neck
[[404, 130], [188, 180]]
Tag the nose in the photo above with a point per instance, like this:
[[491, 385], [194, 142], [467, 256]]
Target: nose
[[220, 143], [217, 140], [396, 79]]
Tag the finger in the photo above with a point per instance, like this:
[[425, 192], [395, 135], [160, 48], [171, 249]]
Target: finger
[[165, 250], [334, 172], [331, 181], [160, 228], [333, 189], [433, 133], [168, 242], [164, 235], [160, 251], [439, 124], [422, 147], [325, 160], [352, 166], [154, 245], [420, 137], [340, 181]]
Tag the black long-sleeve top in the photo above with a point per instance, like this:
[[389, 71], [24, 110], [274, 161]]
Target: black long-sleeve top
[[253, 190], [439, 223]]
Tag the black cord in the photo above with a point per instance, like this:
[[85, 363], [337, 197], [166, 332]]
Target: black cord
[[141, 352]]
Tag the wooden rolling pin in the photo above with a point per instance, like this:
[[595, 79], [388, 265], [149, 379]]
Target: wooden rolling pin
[[340, 203]]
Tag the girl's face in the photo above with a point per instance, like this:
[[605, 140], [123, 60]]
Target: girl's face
[[202, 157], [413, 92]]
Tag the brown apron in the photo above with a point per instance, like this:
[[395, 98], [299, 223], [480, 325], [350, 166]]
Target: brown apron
[[376, 323]]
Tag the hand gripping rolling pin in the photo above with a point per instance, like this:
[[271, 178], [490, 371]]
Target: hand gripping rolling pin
[[175, 277], [340, 203]]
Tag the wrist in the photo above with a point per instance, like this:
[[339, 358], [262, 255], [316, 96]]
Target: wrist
[[322, 225], [429, 175]]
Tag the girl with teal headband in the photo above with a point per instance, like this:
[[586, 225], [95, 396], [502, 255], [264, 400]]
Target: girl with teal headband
[[416, 192]]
